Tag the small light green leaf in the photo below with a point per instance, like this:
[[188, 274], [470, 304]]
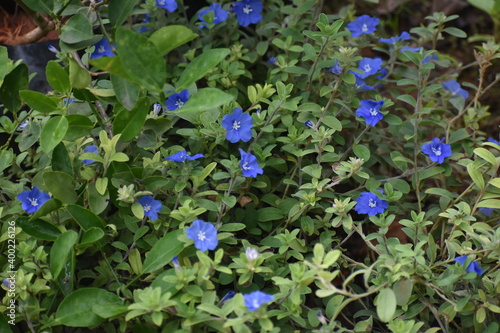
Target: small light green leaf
[[386, 304], [112, 65], [138, 210], [206, 98], [78, 77], [403, 290], [475, 174], [200, 66], [163, 251], [362, 152], [490, 203], [101, 185], [170, 37], [486, 155], [53, 132], [455, 32], [91, 236], [60, 250], [135, 261]]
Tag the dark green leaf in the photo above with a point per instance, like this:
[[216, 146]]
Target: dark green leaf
[[48, 207], [163, 251], [41, 6], [200, 66], [119, 10], [14, 82], [61, 160], [269, 214], [206, 98], [77, 29], [53, 132], [85, 218], [91, 236], [78, 126], [38, 101], [129, 123], [61, 185], [126, 92], [6, 158], [78, 77], [38, 228], [6, 65], [170, 37], [112, 65], [60, 250], [30, 135]]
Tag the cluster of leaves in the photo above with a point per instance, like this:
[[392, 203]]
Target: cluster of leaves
[[245, 171]]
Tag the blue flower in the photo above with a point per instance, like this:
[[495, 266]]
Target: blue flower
[[249, 165], [336, 69], [254, 300], [494, 141], [369, 203], [52, 49], [176, 101], [455, 89], [150, 206], [220, 14], [247, 12], [23, 125], [90, 149], [157, 108], [175, 261], [383, 74], [411, 49], [272, 60], [181, 156], [370, 110], [437, 150], [204, 235], [369, 66], [102, 49], [32, 200], [361, 84], [404, 36], [169, 5], [432, 57], [230, 294], [486, 211], [363, 25], [145, 21], [473, 266], [238, 126], [309, 123]]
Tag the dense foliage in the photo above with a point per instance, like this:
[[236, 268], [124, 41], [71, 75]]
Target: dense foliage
[[259, 166]]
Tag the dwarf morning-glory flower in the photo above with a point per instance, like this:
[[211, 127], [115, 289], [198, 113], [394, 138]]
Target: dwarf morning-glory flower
[[220, 14], [486, 211], [248, 12], [251, 254], [150, 206], [411, 49], [90, 149], [175, 262], [336, 69], [204, 235], [494, 141], [145, 21], [249, 165], [404, 36], [473, 266], [363, 25], [455, 88], [32, 200], [52, 49], [229, 295], [102, 49], [361, 84], [157, 108], [238, 126], [169, 5], [23, 125], [256, 299], [182, 156], [369, 66], [272, 60], [370, 110], [309, 123], [176, 101], [437, 150], [369, 203]]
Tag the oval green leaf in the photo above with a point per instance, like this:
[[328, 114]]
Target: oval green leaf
[[163, 251], [53, 132]]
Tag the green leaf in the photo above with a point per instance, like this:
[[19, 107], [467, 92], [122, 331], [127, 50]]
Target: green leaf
[[78, 77], [163, 251], [495, 182], [48, 207], [119, 11], [14, 82], [490, 203], [362, 152], [386, 304], [91, 236], [408, 99], [204, 99], [6, 158], [97, 202], [459, 135], [6, 65], [61, 186], [129, 123], [57, 77], [126, 92], [53, 132], [38, 101], [38, 228], [440, 191], [269, 214], [85, 218], [333, 123], [61, 160], [78, 126], [142, 62], [60, 250], [486, 155], [29, 136], [76, 309], [41, 6], [137, 210], [200, 66], [168, 38], [475, 174], [109, 310], [455, 32], [403, 290], [77, 29], [112, 65]]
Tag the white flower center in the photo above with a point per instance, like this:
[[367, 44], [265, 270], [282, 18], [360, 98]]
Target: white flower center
[[101, 49], [437, 151], [236, 125], [161, 2], [201, 236], [256, 304], [147, 208], [179, 103], [364, 28], [247, 9], [367, 68], [245, 166], [34, 202], [373, 112], [372, 203]]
